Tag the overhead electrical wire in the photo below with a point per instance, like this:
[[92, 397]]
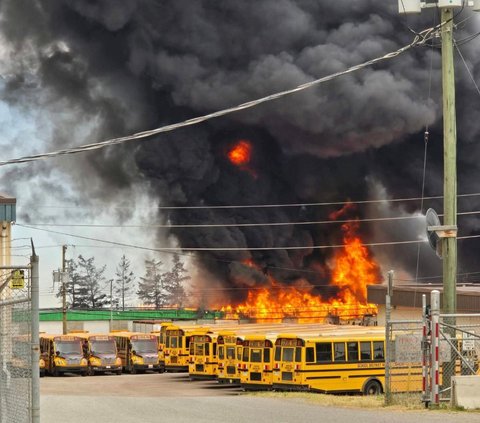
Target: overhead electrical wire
[[259, 206], [192, 249], [420, 39], [468, 69], [233, 225]]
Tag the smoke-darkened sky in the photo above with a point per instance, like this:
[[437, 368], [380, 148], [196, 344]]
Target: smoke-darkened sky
[[85, 70]]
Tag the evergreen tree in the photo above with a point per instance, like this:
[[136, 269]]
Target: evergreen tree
[[151, 290], [72, 285], [174, 282], [91, 293], [124, 281]]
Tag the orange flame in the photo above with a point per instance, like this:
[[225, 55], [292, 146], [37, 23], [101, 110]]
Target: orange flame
[[352, 269], [240, 153]]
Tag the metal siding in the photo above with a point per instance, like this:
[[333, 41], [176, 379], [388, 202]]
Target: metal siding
[[8, 212]]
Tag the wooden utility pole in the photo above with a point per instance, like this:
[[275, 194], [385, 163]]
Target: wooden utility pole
[[449, 247]]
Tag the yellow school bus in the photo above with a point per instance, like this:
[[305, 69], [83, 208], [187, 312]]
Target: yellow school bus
[[229, 355], [256, 364], [137, 351], [203, 355], [160, 334], [177, 348], [330, 364], [63, 354], [100, 352]]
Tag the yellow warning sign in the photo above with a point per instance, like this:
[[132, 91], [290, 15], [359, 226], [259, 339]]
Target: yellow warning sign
[[18, 280]]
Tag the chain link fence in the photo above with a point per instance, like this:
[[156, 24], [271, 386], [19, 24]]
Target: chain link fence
[[15, 346], [459, 342], [403, 361]]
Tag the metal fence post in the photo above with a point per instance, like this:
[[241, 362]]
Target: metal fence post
[[388, 311], [35, 339], [435, 312]]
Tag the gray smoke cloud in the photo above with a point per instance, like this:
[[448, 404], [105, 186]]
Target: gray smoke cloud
[[105, 68]]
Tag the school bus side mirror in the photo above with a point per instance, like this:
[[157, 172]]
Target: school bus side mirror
[[134, 352]]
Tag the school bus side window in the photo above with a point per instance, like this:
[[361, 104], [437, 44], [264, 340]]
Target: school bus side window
[[221, 352], [352, 348], [298, 354], [365, 351], [339, 351], [378, 353], [310, 355], [245, 354], [278, 353], [324, 352]]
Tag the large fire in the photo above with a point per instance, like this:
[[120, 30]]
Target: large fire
[[352, 269]]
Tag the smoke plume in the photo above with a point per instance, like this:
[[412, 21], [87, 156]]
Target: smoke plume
[[99, 69]]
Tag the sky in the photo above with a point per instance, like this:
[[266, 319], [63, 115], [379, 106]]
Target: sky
[[75, 72]]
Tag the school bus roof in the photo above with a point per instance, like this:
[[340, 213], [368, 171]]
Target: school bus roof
[[60, 337], [343, 338]]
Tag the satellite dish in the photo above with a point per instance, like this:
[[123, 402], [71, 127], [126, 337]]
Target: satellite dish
[[433, 237]]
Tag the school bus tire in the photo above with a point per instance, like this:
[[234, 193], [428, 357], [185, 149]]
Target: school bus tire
[[119, 372], [372, 387], [90, 371], [55, 372], [133, 370]]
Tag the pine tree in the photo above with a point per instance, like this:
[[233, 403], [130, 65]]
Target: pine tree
[[174, 282], [91, 293], [151, 290], [72, 285], [124, 281]]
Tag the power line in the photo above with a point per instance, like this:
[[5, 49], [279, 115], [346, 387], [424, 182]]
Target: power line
[[251, 206], [468, 69], [232, 225], [192, 249], [420, 39], [225, 225]]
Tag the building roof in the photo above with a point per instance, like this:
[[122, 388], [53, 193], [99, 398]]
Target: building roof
[[468, 296]]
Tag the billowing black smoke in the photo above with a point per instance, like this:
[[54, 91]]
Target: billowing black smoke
[[137, 64]]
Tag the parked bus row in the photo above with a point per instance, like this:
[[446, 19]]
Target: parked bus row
[[321, 358]]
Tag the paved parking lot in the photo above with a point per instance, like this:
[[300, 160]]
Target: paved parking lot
[[153, 398]]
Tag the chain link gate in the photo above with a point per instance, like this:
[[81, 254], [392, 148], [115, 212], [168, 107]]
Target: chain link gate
[[403, 361], [19, 353]]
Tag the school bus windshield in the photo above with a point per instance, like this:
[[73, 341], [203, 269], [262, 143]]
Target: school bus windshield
[[68, 347], [145, 346], [103, 347]]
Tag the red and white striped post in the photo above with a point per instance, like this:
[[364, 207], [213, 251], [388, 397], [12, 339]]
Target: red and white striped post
[[435, 312], [425, 350]]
